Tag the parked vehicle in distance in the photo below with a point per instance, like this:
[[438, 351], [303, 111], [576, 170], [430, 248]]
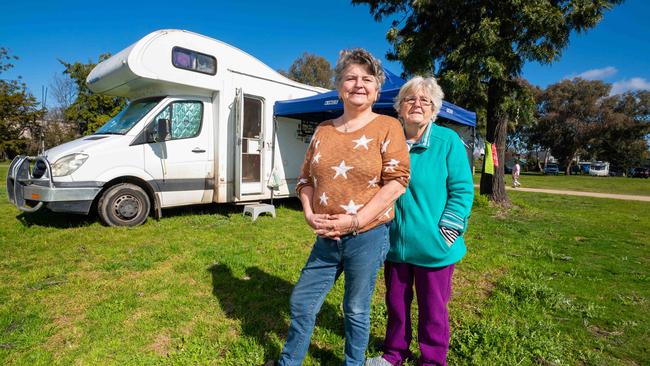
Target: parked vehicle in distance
[[552, 169], [615, 171], [638, 172], [584, 167], [599, 169]]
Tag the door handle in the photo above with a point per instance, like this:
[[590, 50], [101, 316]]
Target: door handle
[[198, 150]]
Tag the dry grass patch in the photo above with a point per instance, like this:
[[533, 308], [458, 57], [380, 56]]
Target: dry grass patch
[[161, 345]]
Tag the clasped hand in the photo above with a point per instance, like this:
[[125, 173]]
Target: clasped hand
[[331, 226]]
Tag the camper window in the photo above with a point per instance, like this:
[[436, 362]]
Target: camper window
[[186, 117], [194, 61]]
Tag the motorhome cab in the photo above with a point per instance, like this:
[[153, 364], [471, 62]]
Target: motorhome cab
[[199, 129]]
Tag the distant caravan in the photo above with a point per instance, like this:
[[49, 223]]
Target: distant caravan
[[599, 169], [199, 129]]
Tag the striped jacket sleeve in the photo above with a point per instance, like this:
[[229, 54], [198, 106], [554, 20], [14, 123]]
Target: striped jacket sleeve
[[460, 188]]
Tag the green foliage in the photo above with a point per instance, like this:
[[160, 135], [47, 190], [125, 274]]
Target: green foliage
[[89, 110], [311, 69], [19, 112], [625, 126], [579, 116], [570, 117], [478, 49], [521, 107]]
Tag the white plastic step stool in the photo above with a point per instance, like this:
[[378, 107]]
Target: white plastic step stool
[[256, 209]]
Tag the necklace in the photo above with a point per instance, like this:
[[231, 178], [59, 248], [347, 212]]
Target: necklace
[[344, 125]]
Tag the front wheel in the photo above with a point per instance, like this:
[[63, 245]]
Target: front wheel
[[124, 204]]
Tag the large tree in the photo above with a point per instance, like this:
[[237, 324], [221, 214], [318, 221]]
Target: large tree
[[571, 118], [19, 112], [478, 49], [579, 117], [311, 69], [625, 125], [90, 111]]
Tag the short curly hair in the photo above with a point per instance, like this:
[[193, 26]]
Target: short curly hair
[[430, 88], [358, 56]]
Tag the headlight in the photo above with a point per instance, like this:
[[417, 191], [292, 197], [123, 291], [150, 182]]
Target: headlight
[[68, 164]]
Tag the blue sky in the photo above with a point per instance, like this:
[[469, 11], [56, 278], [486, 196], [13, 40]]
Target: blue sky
[[277, 32]]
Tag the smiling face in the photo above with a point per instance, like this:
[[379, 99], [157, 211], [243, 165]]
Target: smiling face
[[359, 88], [416, 110]]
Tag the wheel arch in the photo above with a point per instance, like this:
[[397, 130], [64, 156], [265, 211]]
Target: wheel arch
[[155, 208]]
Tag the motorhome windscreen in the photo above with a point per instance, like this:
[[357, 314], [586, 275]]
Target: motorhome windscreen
[[128, 117]]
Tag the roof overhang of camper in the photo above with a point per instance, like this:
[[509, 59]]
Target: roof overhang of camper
[[147, 68]]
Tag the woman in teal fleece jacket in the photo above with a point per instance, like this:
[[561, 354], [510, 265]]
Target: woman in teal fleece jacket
[[426, 235]]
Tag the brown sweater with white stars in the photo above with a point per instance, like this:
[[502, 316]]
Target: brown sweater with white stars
[[347, 169]]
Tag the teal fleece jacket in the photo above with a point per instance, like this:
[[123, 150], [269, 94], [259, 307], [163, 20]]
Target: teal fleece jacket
[[441, 193]]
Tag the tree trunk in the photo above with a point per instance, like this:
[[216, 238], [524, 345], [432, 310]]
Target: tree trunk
[[497, 123], [567, 170], [541, 166]]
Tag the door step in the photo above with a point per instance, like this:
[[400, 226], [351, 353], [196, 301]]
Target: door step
[[256, 209]]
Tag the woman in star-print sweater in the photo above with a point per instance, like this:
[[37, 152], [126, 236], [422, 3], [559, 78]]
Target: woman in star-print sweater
[[356, 166], [347, 169]]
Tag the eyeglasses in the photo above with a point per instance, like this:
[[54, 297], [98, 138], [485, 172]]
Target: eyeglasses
[[425, 102]]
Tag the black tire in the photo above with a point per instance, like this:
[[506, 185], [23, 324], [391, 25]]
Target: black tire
[[124, 204]]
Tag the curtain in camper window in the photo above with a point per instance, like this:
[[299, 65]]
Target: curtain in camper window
[[185, 118], [194, 61]]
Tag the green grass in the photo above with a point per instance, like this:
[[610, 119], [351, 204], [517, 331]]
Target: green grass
[[616, 185], [557, 280]]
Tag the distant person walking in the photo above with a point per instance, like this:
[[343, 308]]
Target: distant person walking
[[516, 170]]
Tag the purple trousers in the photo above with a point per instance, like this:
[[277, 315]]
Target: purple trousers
[[433, 289]]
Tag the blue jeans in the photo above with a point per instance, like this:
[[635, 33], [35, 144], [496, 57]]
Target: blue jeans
[[359, 258]]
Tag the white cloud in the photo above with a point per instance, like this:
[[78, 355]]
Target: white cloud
[[624, 85], [598, 74]]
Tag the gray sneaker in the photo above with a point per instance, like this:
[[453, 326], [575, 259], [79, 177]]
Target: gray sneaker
[[377, 361]]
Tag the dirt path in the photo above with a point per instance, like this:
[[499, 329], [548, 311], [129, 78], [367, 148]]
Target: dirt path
[[628, 197]]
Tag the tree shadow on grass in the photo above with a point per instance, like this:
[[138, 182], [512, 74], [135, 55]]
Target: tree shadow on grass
[[260, 301]]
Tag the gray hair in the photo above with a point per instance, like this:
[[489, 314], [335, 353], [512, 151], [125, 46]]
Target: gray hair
[[358, 56], [430, 88]]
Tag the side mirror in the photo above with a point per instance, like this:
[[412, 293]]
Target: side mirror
[[164, 127]]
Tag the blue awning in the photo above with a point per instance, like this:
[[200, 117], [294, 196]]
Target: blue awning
[[321, 107]]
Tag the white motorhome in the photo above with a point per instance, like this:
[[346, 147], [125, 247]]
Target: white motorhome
[[599, 169], [199, 129]]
